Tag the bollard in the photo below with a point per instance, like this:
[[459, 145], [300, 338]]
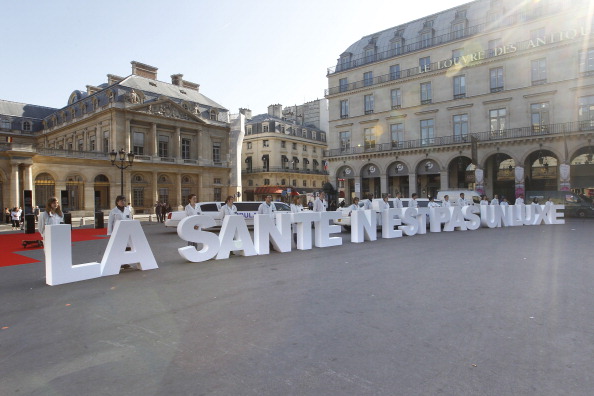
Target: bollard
[[82, 221], [150, 218]]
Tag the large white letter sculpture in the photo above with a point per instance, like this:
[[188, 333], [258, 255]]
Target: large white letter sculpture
[[363, 226], [58, 253]]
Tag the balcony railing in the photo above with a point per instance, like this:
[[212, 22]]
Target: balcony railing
[[285, 170], [503, 134]]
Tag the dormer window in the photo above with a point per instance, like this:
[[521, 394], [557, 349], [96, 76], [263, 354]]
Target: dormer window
[[27, 126], [5, 123], [345, 61], [213, 114]]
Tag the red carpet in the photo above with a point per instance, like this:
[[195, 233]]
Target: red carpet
[[11, 244]]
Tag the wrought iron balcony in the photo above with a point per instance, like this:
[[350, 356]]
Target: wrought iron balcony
[[280, 169], [502, 134]]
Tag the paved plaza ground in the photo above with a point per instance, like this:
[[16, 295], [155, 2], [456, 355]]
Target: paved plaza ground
[[497, 312]]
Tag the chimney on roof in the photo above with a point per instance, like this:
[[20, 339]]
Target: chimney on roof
[[246, 112], [144, 70], [275, 110], [113, 79], [177, 79]]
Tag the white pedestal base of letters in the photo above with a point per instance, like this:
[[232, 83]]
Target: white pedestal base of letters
[[127, 233], [58, 258]]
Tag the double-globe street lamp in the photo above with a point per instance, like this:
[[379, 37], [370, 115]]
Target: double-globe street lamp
[[123, 163]]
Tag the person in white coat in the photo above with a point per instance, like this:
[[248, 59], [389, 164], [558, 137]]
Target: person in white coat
[[462, 201], [267, 207], [354, 205], [519, 200], [446, 201], [495, 200], [484, 200], [550, 201], [320, 203], [192, 209], [398, 201], [432, 203], [413, 202], [296, 207], [52, 215], [120, 212], [384, 204], [228, 209]]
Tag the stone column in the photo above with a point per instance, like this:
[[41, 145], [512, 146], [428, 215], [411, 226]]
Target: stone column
[[412, 184], [89, 196], [128, 137], [177, 144], [199, 139], [383, 184], [519, 176], [154, 139], [14, 185], [444, 182], [155, 187], [178, 194], [99, 138]]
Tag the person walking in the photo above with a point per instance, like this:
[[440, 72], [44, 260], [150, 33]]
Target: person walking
[[158, 208], [320, 203], [52, 215]]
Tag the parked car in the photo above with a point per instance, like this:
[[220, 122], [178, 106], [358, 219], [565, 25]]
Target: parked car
[[575, 205], [246, 209]]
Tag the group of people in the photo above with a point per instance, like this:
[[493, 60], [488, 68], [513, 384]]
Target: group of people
[[161, 210]]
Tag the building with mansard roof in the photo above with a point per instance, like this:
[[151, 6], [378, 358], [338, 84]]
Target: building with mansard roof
[[282, 153], [493, 95], [180, 138]]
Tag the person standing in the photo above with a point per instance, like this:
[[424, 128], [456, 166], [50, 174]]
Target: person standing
[[267, 207], [320, 203], [158, 208], [228, 209], [120, 212], [354, 205], [520, 200], [398, 201], [7, 215], [36, 212], [446, 201], [413, 202], [192, 209], [432, 203], [505, 202], [461, 201], [15, 216], [495, 200], [296, 207], [52, 215], [549, 201], [484, 200], [384, 204]]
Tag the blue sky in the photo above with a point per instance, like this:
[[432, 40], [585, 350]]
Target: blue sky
[[242, 53]]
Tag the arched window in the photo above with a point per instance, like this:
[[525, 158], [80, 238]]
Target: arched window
[[45, 188], [75, 188]]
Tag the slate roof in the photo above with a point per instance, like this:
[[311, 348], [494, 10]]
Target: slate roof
[[167, 89], [24, 110], [267, 117]]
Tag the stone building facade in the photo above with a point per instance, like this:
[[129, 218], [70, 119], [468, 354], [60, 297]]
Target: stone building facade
[[180, 139], [280, 153], [491, 96]]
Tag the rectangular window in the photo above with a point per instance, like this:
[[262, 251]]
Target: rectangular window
[[539, 71], [81, 145], [138, 141], [496, 78], [163, 195], [497, 119], [345, 141], [218, 196], [586, 112], [249, 145], [394, 72], [186, 145], [539, 115], [456, 54], [249, 130], [369, 136], [495, 47], [266, 182], [397, 135], [368, 78], [92, 144], [426, 39], [304, 147], [294, 183], [587, 61], [264, 128], [427, 132], [138, 197], [314, 149], [396, 98], [426, 93], [217, 180], [283, 144], [163, 146], [106, 141], [265, 143], [304, 183], [368, 99], [294, 146], [460, 126], [424, 64], [216, 152], [343, 84], [459, 87], [458, 30], [344, 108]]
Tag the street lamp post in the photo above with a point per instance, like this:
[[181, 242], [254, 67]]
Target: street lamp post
[[123, 163]]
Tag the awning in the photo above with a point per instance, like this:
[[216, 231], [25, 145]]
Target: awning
[[305, 161], [315, 162], [248, 159], [269, 190], [284, 158], [296, 160]]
